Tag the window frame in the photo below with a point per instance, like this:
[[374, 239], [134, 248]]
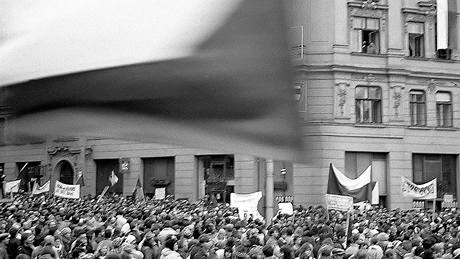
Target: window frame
[[374, 117], [359, 35], [412, 35], [415, 104], [441, 113]]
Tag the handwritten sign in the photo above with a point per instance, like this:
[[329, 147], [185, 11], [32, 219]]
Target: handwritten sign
[[339, 202], [425, 191], [67, 190]]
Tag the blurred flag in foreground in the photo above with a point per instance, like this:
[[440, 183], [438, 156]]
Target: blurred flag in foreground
[[113, 179], [204, 73]]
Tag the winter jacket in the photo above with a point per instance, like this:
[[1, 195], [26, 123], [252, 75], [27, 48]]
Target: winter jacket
[[167, 253]]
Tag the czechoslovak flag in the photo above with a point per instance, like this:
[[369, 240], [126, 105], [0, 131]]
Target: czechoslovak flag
[[204, 73], [361, 188]]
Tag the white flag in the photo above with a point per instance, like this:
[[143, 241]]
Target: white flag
[[113, 178], [41, 189], [12, 186]]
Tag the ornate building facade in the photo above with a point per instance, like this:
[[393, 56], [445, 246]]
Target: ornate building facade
[[373, 88]]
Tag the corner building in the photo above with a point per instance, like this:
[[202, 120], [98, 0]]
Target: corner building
[[377, 83]]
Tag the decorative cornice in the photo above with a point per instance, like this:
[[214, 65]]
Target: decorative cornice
[[64, 149]]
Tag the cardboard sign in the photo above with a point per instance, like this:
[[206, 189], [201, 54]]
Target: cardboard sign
[[339, 202], [160, 193], [286, 208], [67, 190]]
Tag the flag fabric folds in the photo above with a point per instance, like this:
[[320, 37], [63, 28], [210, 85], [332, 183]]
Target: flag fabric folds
[[37, 189], [138, 193], [361, 188], [113, 179], [80, 179], [12, 186], [225, 86]]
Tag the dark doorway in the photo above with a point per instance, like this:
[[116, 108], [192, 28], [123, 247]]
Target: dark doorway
[[26, 172], [158, 173], [104, 168], [65, 173]]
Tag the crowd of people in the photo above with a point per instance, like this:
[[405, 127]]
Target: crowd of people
[[117, 227]]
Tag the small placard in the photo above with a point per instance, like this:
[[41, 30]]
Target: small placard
[[339, 202], [160, 193]]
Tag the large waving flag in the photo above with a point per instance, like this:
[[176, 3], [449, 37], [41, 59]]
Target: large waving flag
[[218, 76], [361, 188]]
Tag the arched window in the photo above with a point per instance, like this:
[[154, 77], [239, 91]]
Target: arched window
[[444, 109], [368, 102], [417, 107]]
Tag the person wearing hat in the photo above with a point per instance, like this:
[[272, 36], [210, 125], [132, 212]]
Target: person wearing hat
[[201, 249], [170, 249], [4, 239]]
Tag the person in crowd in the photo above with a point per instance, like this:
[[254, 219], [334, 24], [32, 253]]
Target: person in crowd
[[123, 228], [170, 249]]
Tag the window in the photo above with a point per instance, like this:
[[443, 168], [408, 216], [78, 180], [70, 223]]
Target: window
[[357, 162], [444, 109], [216, 177], [417, 108], [426, 167], [415, 39], [368, 104], [366, 34]]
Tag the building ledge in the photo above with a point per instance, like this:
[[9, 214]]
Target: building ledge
[[363, 125], [445, 129], [369, 55], [419, 127]]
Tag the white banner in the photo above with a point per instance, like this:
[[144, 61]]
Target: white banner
[[12, 186], [339, 202], [246, 204], [37, 189], [67, 190], [427, 191]]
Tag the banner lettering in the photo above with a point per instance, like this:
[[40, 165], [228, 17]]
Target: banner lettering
[[339, 202], [67, 190], [427, 191]]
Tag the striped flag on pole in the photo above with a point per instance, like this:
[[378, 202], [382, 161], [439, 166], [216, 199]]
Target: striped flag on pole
[[217, 77], [361, 188]]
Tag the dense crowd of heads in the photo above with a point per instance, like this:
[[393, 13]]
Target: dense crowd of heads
[[117, 227]]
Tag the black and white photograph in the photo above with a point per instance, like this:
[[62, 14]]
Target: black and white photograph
[[241, 129]]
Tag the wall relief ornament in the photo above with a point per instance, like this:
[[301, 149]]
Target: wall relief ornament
[[397, 89], [342, 94]]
